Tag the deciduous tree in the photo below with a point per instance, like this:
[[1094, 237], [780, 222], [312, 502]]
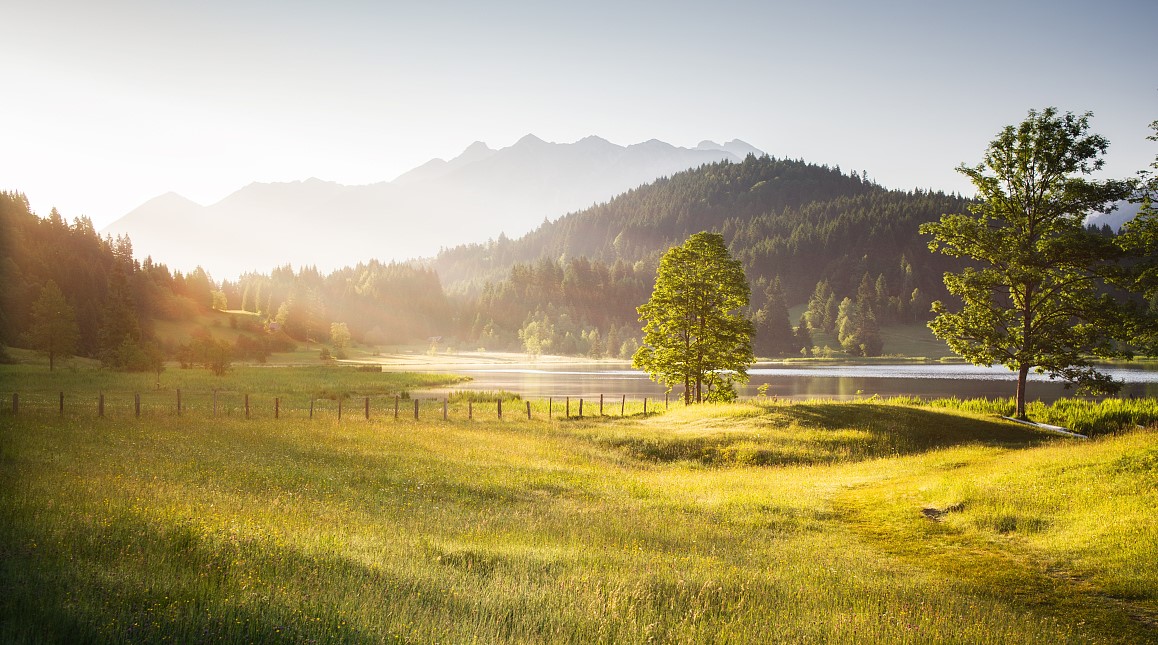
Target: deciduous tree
[[695, 333], [1035, 297]]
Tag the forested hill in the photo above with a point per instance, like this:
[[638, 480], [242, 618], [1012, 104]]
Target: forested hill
[[802, 222]]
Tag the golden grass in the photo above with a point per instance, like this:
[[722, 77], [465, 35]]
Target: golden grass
[[760, 523]]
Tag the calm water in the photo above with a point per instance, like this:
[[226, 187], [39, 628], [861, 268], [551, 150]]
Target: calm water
[[827, 381]]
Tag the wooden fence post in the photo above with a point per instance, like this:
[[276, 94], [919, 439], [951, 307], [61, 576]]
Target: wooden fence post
[[500, 408], [137, 404], [580, 408], [600, 405], [623, 405], [645, 406], [550, 407], [276, 407], [311, 408], [470, 410], [528, 410], [101, 405], [568, 412], [367, 408], [665, 405], [415, 409]]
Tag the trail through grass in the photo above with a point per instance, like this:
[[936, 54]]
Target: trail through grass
[[814, 522]]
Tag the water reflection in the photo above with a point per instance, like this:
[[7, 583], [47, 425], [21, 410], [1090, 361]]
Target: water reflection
[[798, 381]]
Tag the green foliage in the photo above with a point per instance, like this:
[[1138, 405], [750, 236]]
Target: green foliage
[[694, 333], [774, 335], [783, 219], [380, 303], [1139, 240], [857, 328], [54, 331], [340, 335], [1036, 298], [537, 336], [1106, 416], [214, 354]]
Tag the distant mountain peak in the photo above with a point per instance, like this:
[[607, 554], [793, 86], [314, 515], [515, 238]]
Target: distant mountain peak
[[476, 148], [529, 140], [481, 193], [172, 198], [652, 144]]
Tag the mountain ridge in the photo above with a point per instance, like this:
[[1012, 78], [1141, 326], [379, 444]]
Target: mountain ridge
[[478, 195]]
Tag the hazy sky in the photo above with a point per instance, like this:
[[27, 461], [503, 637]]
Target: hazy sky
[[107, 104]]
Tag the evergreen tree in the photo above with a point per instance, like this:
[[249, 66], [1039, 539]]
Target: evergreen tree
[[120, 332], [774, 335], [803, 337], [818, 306], [54, 331], [845, 323], [859, 330]]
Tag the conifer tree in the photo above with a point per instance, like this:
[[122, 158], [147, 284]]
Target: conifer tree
[[54, 331], [120, 330]]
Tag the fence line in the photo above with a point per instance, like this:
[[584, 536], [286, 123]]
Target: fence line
[[215, 403]]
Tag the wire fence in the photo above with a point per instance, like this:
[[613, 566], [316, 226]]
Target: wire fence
[[201, 404]]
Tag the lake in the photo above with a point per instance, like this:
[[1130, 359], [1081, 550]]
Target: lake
[[838, 381]]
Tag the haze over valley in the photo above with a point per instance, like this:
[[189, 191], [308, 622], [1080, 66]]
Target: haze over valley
[[481, 194], [738, 322]]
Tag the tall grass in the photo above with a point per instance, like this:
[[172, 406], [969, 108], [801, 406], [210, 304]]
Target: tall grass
[[1085, 416], [731, 523]]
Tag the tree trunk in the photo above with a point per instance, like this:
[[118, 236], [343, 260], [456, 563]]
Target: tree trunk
[[1022, 375]]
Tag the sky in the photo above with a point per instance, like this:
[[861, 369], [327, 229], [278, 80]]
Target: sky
[[105, 105]]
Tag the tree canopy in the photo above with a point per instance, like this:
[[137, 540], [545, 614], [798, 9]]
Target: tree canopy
[[1038, 294], [53, 331], [695, 332]]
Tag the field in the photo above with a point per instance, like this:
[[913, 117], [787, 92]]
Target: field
[[868, 521]]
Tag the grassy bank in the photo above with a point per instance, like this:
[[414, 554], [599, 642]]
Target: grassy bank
[[812, 522]]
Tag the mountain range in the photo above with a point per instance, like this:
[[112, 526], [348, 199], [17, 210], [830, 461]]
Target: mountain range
[[480, 194]]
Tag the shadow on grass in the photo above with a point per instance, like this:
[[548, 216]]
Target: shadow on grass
[[131, 580], [822, 433]]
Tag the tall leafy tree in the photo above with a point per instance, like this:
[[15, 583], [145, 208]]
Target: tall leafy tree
[[54, 331], [1139, 239], [694, 332], [1035, 297]]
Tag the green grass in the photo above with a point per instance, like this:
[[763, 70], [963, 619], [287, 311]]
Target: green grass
[[871, 521], [1083, 416], [914, 341]]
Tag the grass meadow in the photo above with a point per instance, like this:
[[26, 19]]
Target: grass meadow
[[893, 521]]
